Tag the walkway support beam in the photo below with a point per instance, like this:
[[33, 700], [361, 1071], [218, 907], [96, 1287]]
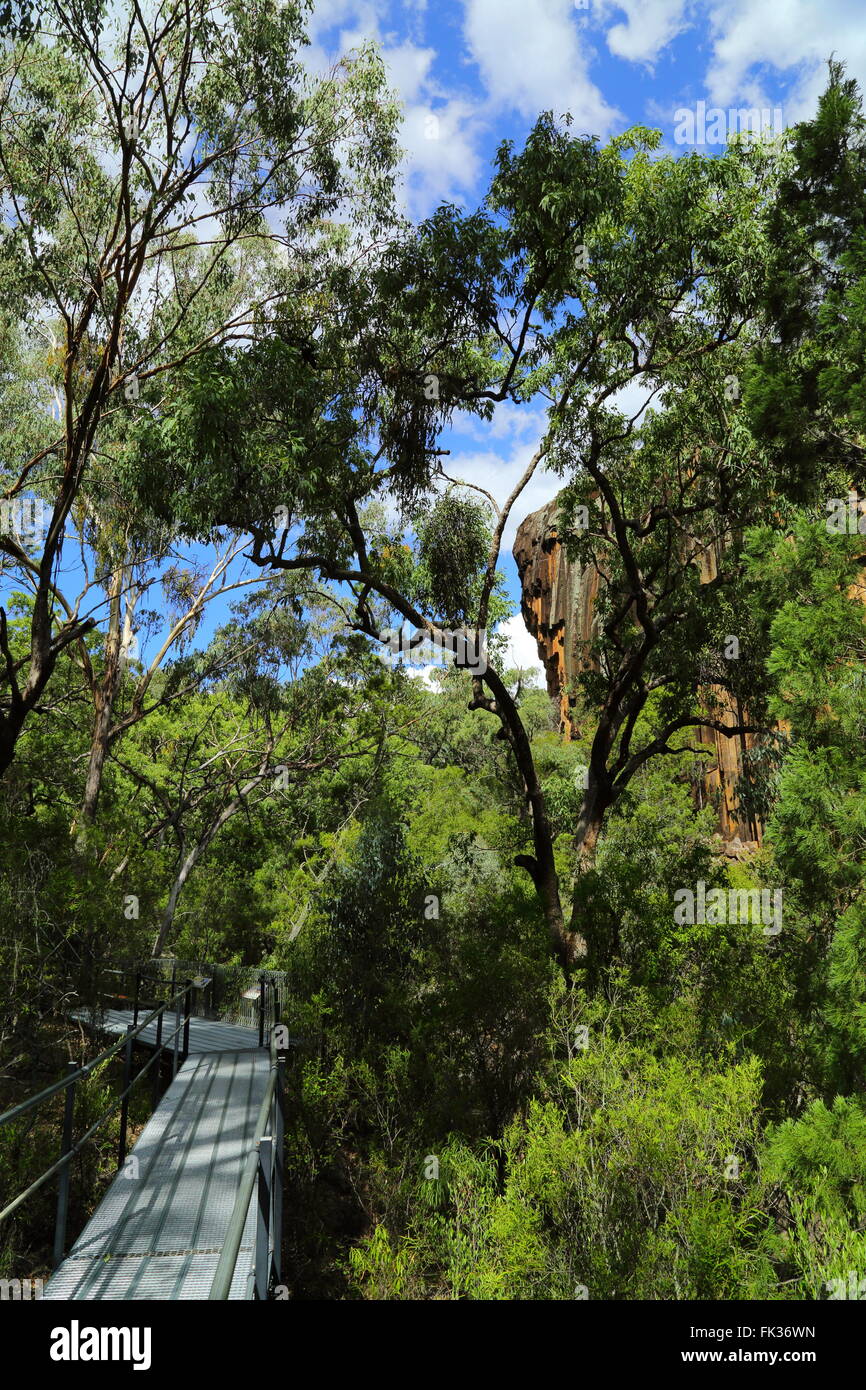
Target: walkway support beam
[[263, 1220], [124, 1104], [63, 1183]]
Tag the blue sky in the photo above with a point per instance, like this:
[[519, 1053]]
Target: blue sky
[[471, 73], [484, 69]]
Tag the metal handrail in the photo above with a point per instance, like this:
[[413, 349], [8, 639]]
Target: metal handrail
[[268, 1167], [76, 1148], [265, 1160], [68, 1083], [87, 1068]]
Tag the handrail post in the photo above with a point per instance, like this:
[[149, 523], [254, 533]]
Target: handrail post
[[263, 1222], [187, 1011], [124, 1104], [63, 1183], [279, 1171], [262, 983], [157, 1066], [135, 998], [176, 1038]]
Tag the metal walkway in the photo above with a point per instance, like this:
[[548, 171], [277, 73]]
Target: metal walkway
[[159, 1230], [205, 1035], [195, 1211]]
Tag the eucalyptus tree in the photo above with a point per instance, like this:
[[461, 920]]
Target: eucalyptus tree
[[184, 587], [162, 169], [293, 704], [587, 271]]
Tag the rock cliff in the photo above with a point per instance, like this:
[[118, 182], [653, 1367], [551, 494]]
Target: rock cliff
[[558, 599]]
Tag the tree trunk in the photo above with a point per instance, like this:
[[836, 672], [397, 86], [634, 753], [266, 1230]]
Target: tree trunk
[[105, 692], [585, 842], [183, 874], [10, 730], [589, 842], [98, 749], [198, 850], [567, 945]]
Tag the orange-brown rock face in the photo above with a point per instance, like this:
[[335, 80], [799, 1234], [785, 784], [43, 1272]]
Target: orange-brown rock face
[[558, 598], [557, 605]]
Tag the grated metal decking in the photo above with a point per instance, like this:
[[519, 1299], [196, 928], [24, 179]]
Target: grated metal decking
[[158, 1233], [205, 1035]]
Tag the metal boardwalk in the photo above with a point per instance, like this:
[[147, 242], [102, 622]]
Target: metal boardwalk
[[205, 1035], [159, 1230]]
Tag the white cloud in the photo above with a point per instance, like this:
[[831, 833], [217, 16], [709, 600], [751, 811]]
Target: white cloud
[[790, 36], [429, 676], [409, 68], [510, 421], [633, 400], [650, 26], [440, 132], [531, 60], [517, 431], [498, 474], [522, 650], [363, 14], [442, 159]]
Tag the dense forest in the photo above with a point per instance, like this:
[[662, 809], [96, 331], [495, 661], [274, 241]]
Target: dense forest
[[556, 1040]]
